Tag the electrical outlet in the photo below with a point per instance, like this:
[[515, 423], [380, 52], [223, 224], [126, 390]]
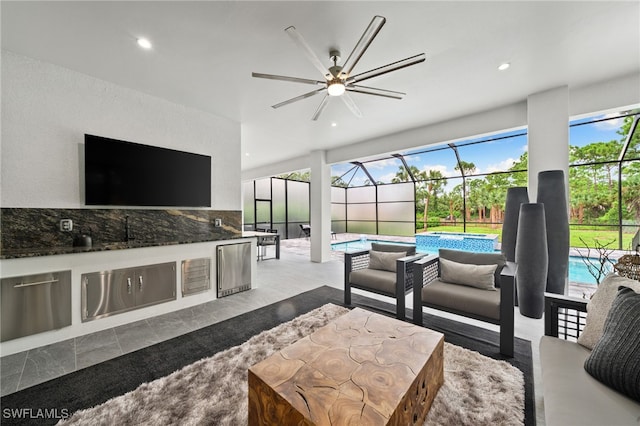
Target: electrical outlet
[[66, 225], [217, 222]]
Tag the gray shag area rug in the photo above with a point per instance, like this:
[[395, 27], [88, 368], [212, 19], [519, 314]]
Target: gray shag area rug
[[213, 391]]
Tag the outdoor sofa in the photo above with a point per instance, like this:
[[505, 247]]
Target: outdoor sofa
[[573, 396]]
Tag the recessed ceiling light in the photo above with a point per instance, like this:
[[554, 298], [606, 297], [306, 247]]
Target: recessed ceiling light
[[246, 154], [144, 43], [334, 124], [504, 66]]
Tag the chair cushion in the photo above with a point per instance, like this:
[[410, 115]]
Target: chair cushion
[[478, 276], [410, 250], [615, 359], [573, 397], [385, 261], [463, 298], [599, 305], [374, 279], [476, 259]]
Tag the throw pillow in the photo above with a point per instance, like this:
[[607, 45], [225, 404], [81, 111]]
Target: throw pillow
[[615, 359], [598, 307], [479, 276], [385, 261], [468, 257]]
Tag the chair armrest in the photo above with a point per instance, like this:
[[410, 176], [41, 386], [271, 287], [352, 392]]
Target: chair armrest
[[508, 271], [507, 288], [426, 268], [409, 259], [558, 315], [355, 260]]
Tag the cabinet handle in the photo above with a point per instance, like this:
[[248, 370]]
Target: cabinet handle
[[140, 282], [36, 283], [128, 285]]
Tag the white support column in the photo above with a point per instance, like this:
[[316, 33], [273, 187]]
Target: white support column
[[320, 207], [548, 135]]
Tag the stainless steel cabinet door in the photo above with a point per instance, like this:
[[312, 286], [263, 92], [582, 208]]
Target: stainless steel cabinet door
[[36, 303], [107, 292], [155, 284]]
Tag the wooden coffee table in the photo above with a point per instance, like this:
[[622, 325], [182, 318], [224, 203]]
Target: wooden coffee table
[[361, 369]]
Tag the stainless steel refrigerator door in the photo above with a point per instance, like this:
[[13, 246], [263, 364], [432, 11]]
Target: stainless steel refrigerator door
[[233, 268]]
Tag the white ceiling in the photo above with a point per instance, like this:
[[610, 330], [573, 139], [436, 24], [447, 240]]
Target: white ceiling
[[204, 52]]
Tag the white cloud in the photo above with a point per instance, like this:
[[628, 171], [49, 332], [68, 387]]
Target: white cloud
[[441, 168], [613, 124], [501, 166], [389, 162]]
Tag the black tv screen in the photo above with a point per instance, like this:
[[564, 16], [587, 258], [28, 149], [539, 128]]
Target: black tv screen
[[119, 173]]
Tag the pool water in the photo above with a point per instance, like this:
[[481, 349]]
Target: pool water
[[578, 271]]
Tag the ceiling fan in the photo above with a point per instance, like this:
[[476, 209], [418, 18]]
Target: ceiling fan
[[339, 79]]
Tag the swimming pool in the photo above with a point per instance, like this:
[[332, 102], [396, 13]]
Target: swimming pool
[[578, 271], [426, 241]]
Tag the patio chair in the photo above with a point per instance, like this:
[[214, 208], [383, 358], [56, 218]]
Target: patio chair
[[265, 241], [385, 269], [305, 231], [468, 289]]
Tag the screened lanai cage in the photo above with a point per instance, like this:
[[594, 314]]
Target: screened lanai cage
[[461, 187]]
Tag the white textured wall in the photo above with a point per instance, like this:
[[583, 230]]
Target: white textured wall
[[46, 110], [548, 135]]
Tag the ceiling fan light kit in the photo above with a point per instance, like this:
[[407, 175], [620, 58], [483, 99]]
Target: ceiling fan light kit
[[338, 80]]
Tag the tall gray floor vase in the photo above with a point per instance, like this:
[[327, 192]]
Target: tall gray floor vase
[[551, 193], [532, 258], [515, 196]]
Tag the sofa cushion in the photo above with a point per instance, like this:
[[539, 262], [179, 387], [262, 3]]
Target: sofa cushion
[[374, 279], [410, 250], [573, 397], [598, 307], [385, 261], [478, 276], [476, 259], [615, 359], [463, 298]]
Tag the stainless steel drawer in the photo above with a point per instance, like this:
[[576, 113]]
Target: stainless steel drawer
[[35, 303]]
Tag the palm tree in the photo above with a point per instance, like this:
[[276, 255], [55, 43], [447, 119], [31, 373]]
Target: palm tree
[[466, 168], [435, 184]]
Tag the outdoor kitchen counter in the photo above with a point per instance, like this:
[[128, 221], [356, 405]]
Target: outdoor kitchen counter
[[52, 251]]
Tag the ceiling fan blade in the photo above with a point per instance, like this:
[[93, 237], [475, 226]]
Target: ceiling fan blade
[[367, 37], [348, 101], [373, 91], [320, 108], [302, 44], [285, 78], [413, 60], [299, 98]]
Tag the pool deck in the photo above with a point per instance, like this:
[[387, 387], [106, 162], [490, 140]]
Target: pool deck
[[302, 246]]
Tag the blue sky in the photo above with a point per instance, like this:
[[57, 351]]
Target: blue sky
[[496, 155]]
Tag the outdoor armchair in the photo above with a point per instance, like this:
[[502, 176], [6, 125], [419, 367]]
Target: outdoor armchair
[[385, 269], [475, 285]]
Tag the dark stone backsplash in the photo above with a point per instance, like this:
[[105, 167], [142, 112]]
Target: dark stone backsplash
[[39, 228]]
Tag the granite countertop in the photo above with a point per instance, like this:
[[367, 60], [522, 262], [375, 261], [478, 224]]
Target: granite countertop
[[52, 251]]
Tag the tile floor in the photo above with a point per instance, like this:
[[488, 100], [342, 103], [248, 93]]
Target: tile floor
[[276, 280]]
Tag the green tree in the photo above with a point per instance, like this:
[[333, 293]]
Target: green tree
[[304, 176], [466, 168], [634, 146], [435, 183]]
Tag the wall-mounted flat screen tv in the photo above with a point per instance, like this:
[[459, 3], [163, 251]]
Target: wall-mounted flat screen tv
[[119, 173]]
